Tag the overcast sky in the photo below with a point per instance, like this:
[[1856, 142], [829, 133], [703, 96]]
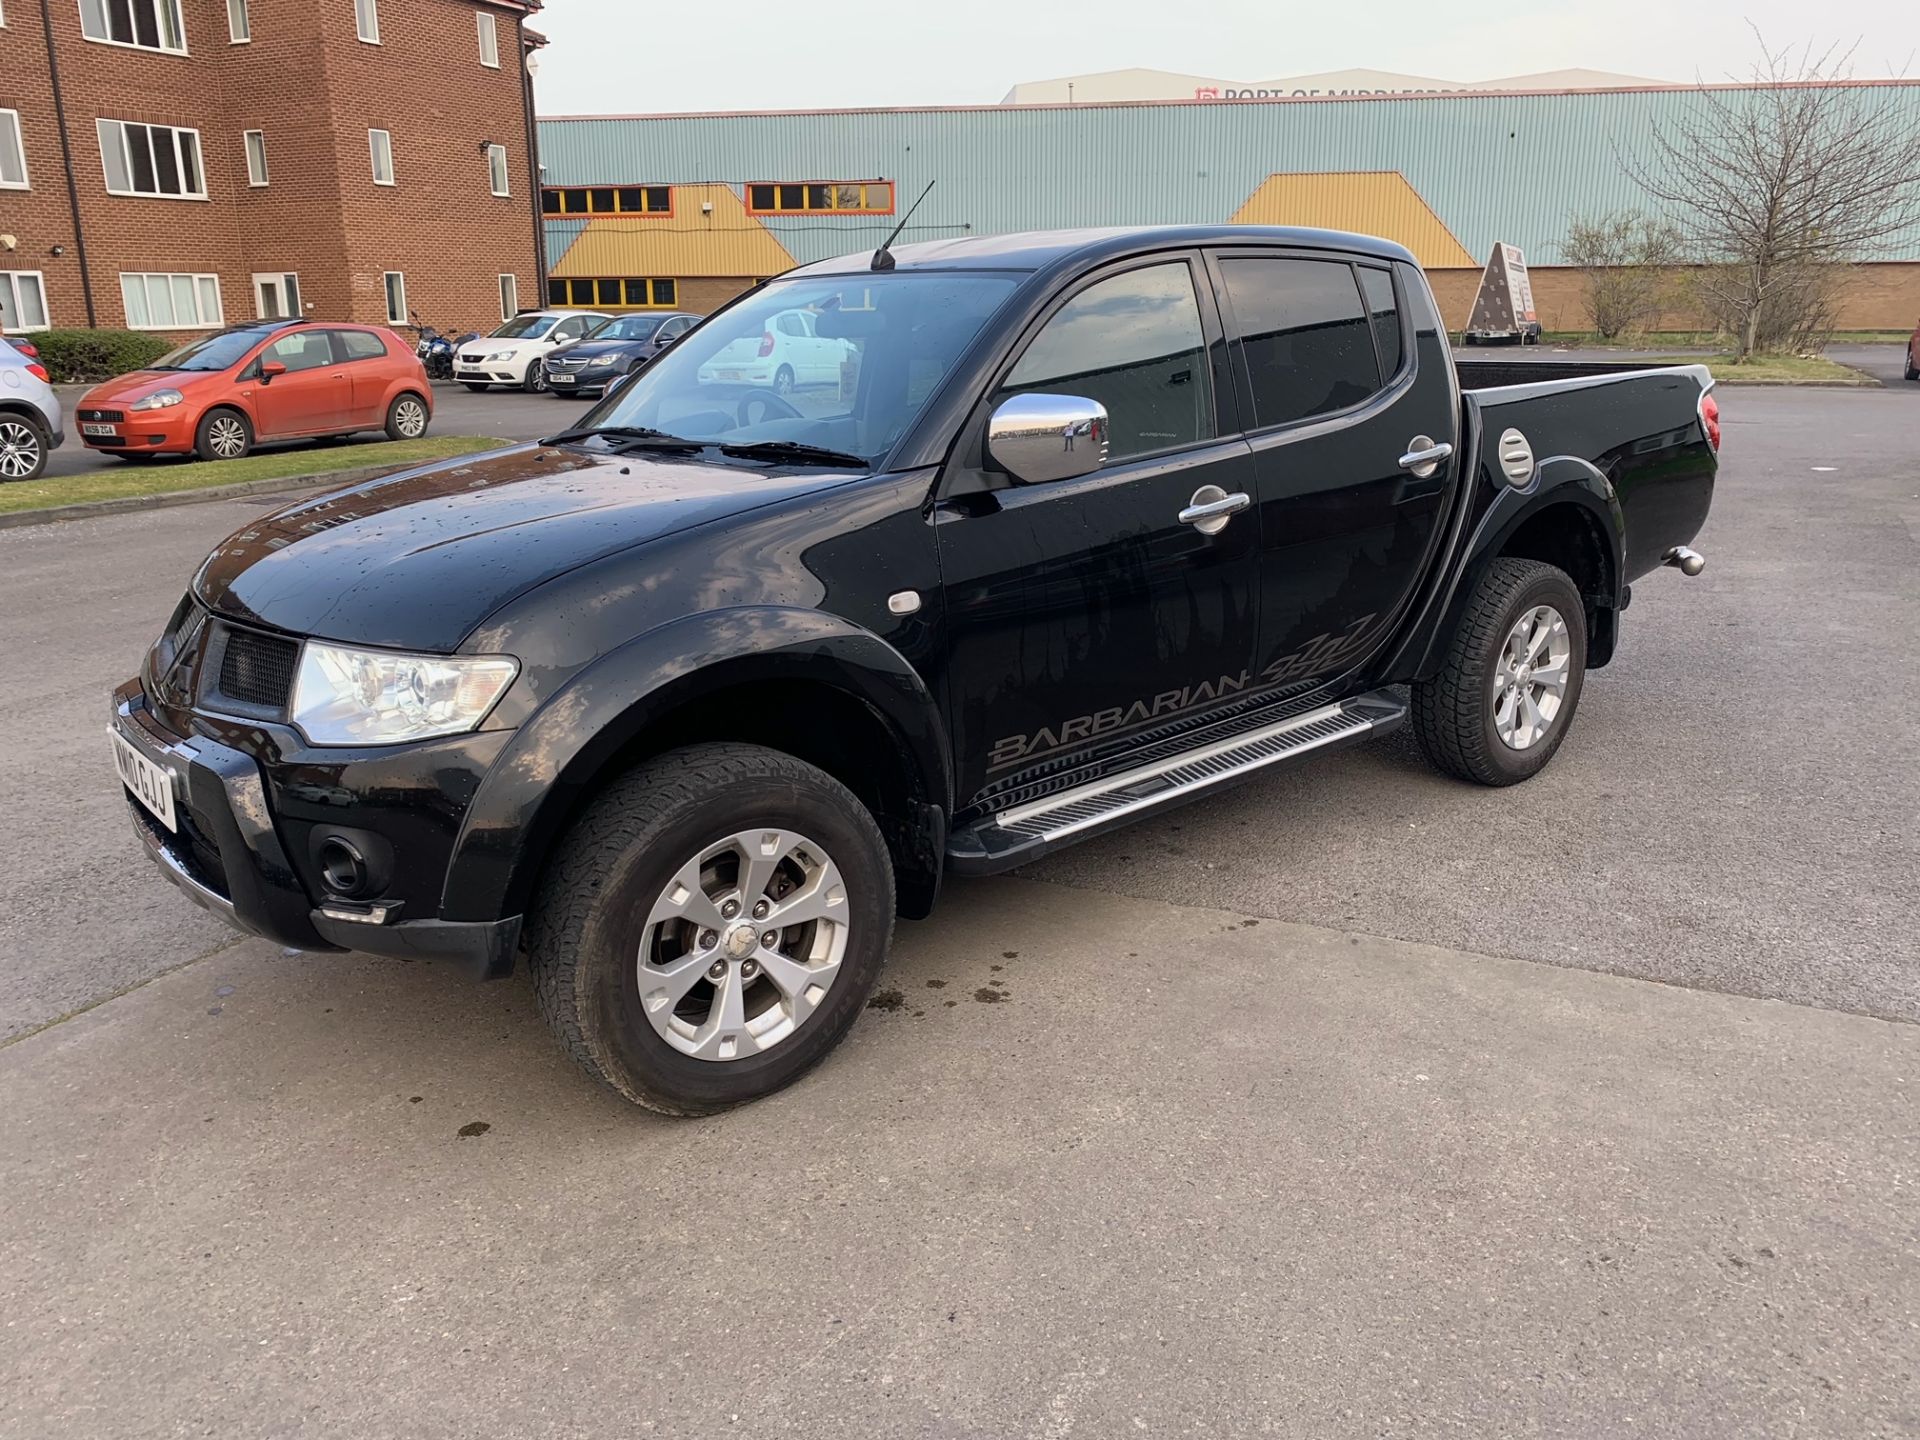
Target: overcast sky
[[635, 56]]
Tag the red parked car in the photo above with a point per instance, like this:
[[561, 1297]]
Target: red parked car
[[275, 380]]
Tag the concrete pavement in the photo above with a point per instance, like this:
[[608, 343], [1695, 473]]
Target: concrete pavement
[[1190, 1173]]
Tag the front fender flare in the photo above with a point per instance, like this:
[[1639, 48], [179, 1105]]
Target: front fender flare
[[538, 780]]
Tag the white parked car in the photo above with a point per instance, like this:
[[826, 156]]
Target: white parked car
[[512, 355], [787, 354]]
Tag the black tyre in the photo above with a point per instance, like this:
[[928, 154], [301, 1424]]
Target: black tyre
[[476, 387], [407, 417], [1911, 373], [1511, 680], [783, 380], [648, 938], [223, 434], [24, 447], [536, 378]]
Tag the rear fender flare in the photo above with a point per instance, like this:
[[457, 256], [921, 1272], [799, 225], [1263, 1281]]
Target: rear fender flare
[[539, 779], [1561, 481]]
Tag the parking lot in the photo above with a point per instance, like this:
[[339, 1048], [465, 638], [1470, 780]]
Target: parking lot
[[1352, 1102]]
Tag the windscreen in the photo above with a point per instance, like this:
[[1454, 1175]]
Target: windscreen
[[216, 352], [839, 362], [625, 327], [526, 327]]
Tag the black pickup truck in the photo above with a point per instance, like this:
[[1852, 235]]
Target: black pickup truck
[[1055, 532]]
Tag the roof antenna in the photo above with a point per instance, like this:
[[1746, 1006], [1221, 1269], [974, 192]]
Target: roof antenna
[[883, 257]]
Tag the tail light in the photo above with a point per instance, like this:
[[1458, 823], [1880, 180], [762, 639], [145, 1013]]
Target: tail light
[[1710, 419], [766, 343], [26, 348], [39, 371]]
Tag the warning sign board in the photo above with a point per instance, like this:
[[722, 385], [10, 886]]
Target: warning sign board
[[1503, 310]]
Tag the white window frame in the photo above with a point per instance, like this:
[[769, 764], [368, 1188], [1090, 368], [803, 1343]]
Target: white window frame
[[387, 287], [499, 181], [489, 39], [198, 285], [94, 12], [289, 283], [374, 147], [366, 21], [509, 296], [11, 279], [25, 182], [247, 140], [119, 134], [239, 23]]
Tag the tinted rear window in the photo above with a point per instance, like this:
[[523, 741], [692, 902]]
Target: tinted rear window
[[1304, 336]]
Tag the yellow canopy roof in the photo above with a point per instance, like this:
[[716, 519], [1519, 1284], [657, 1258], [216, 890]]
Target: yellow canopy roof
[[1368, 202], [685, 244]]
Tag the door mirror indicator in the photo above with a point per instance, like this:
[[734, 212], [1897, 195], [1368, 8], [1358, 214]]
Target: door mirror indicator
[[1037, 438]]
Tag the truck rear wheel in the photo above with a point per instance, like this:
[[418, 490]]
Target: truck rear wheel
[[711, 927], [1511, 679]]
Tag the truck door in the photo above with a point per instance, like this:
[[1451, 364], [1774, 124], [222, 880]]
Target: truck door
[[1339, 390], [1084, 611]]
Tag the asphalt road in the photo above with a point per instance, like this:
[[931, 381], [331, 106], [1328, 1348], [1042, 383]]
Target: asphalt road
[[1301, 1112], [509, 414]]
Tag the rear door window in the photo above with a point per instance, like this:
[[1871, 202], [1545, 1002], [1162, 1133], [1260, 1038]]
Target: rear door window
[[1304, 336], [1377, 287], [1134, 344]]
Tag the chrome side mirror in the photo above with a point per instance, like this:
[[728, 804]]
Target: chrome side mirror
[[1037, 438]]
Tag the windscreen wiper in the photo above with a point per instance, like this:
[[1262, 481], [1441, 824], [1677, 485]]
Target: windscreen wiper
[[625, 436], [795, 451]]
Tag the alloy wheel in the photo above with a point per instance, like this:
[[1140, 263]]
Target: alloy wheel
[[743, 944], [1530, 677], [20, 452], [410, 418], [227, 437]]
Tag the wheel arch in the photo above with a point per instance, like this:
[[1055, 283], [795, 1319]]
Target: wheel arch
[[804, 683]]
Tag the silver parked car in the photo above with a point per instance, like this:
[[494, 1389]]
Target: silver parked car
[[31, 425]]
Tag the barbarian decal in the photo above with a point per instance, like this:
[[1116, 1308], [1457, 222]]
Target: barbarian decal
[[1321, 654], [1015, 748]]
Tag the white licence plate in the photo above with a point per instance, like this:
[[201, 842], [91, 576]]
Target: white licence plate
[[565, 379], [151, 784], [107, 430]]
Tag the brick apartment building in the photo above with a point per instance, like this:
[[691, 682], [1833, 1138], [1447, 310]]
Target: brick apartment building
[[179, 165]]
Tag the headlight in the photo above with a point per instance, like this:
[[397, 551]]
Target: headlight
[[374, 697], [158, 400], [601, 362], [498, 356]]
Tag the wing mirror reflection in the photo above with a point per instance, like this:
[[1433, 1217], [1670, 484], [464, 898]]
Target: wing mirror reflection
[[1037, 438]]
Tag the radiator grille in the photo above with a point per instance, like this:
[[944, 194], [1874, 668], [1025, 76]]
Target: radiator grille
[[258, 669]]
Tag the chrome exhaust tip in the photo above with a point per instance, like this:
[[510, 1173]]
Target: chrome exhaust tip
[[1687, 562]]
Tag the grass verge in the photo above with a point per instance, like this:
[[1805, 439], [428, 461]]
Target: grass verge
[[1773, 369], [125, 478], [1694, 339]]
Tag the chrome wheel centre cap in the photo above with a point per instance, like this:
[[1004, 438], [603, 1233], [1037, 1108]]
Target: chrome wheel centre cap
[[740, 941]]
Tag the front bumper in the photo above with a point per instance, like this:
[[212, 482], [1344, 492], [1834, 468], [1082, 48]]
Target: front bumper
[[150, 432], [226, 856]]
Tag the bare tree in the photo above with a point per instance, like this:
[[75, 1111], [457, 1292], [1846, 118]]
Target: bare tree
[[1778, 187], [1626, 261]]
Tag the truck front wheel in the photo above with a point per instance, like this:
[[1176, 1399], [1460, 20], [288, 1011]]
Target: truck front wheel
[[1511, 679], [711, 927]]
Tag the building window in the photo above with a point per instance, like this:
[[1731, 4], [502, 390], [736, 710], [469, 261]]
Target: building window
[[497, 169], [858, 197], [151, 160], [239, 27], [396, 298], [381, 143], [23, 301], [171, 302], [614, 293], [489, 41], [146, 24], [608, 200], [366, 20], [277, 297], [256, 157], [509, 296], [13, 152]]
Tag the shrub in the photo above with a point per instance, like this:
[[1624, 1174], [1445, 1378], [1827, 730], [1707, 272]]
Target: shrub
[[1626, 259], [86, 357]]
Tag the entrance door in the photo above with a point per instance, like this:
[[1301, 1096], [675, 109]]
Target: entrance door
[[1082, 613], [1338, 391], [277, 297]]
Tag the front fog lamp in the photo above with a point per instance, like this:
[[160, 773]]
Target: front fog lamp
[[343, 696]]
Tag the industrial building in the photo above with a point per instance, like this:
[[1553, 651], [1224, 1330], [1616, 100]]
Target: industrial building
[[684, 211]]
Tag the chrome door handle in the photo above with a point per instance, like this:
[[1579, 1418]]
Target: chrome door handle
[[1211, 508], [1423, 455]]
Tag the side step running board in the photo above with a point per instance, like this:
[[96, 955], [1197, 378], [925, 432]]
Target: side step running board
[[1025, 831]]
